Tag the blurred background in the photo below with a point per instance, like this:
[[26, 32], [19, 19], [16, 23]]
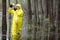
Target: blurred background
[[41, 20]]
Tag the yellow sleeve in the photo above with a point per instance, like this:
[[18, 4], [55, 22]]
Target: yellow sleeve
[[10, 10], [20, 13]]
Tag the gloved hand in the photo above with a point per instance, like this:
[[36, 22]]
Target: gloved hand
[[12, 5], [15, 8]]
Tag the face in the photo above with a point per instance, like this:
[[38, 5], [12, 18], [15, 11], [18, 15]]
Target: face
[[18, 7]]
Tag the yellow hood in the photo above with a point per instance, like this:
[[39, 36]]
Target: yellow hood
[[19, 6]]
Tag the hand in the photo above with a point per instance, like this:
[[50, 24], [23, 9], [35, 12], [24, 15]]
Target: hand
[[15, 8]]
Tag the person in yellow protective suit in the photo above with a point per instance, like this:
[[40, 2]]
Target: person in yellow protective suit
[[16, 22]]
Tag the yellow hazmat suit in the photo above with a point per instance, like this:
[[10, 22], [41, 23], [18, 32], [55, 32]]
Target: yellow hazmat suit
[[16, 22]]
